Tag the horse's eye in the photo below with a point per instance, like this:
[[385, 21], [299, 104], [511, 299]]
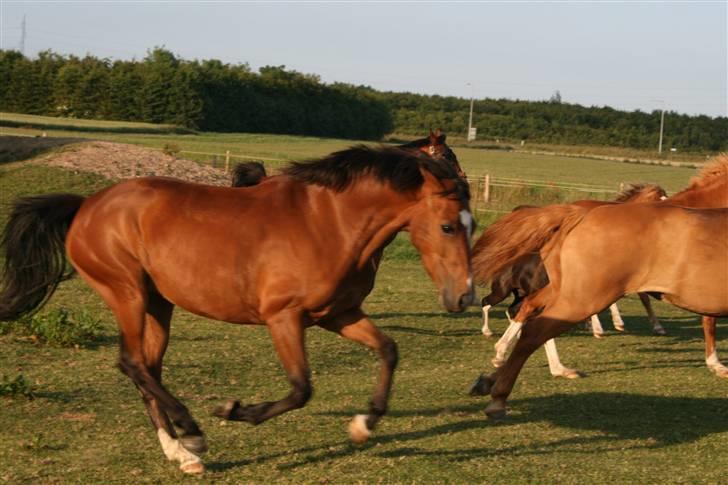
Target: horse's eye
[[447, 229]]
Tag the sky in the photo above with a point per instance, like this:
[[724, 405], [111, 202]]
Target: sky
[[628, 55]]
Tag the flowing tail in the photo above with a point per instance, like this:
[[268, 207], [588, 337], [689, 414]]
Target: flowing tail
[[33, 243], [522, 232]]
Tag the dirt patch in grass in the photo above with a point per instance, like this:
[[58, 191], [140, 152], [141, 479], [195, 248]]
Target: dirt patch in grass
[[14, 148], [117, 161]]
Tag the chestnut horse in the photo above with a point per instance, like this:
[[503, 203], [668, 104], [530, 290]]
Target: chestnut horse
[[708, 190], [528, 275], [591, 260], [288, 253]]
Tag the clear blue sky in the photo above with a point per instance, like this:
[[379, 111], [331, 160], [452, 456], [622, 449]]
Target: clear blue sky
[[625, 55]]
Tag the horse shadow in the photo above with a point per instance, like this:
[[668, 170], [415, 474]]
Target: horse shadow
[[617, 421]]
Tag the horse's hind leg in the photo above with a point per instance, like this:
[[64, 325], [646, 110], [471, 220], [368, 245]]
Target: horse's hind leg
[[355, 325], [656, 326], [711, 354], [286, 330], [556, 368], [617, 321], [596, 326], [156, 337]]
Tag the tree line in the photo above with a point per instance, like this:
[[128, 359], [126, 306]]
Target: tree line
[[214, 96], [556, 122], [207, 95]]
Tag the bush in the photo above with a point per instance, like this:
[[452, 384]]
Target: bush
[[58, 327], [15, 387]]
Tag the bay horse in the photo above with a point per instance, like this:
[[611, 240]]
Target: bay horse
[[289, 253], [682, 256], [528, 275], [247, 174]]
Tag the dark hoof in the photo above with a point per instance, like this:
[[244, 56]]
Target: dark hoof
[[499, 415], [496, 411], [194, 443], [227, 410], [481, 386]]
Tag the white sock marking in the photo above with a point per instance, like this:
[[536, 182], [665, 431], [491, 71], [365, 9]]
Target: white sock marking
[[174, 450], [486, 329], [596, 325]]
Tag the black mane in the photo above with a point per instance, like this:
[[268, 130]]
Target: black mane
[[397, 166]]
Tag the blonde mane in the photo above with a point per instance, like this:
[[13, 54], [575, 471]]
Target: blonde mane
[[717, 166]]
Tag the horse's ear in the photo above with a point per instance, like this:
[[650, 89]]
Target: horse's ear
[[433, 137]]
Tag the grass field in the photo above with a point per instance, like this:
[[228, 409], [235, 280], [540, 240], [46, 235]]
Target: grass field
[[35, 123], [648, 411]]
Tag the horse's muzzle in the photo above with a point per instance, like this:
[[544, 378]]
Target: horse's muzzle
[[457, 302]]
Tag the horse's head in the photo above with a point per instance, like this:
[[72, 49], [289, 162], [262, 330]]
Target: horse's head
[[248, 174], [434, 145], [641, 193], [440, 227]]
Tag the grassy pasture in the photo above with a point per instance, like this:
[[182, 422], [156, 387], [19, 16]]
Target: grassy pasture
[[35, 122], [648, 411]]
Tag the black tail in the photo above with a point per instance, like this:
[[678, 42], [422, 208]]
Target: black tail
[[33, 243]]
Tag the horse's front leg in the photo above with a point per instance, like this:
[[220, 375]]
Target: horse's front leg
[[286, 330], [355, 325]]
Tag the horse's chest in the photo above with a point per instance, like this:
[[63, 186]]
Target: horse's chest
[[349, 293]]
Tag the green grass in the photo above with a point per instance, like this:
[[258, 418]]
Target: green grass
[[17, 120], [649, 410]]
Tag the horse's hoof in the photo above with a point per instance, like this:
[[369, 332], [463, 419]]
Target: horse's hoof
[[226, 410], [598, 335], [659, 331], [481, 386], [720, 371], [619, 328], [497, 362], [487, 333], [570, 374], [192, 467], [358, 431], [495, 411], [194, 443]]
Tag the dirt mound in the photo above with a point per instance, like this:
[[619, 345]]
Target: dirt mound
[[117, 161]]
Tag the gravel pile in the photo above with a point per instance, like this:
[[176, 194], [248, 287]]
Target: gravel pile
[[117, 161]]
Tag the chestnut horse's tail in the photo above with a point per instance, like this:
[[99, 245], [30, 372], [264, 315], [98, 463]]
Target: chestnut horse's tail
[[33, 243], [519, 233]]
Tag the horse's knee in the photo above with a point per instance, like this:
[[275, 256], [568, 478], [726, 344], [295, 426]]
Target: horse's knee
[[389, 353]]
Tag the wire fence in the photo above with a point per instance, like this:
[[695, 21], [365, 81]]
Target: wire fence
[[489, 194]]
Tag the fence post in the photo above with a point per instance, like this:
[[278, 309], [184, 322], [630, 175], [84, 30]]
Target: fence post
[[486, 189], [227, 161], [621, 187]]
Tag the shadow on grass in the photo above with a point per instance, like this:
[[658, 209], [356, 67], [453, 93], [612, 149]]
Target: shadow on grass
[[620, 419]]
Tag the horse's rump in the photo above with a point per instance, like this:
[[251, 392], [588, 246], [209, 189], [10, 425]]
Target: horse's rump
[[519, 233]]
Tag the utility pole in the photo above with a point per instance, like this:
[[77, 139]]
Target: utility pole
[[662, 127], [22, 36], [471, 136]]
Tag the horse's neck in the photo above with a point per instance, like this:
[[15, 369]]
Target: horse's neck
[[366, 218], [713, 195]]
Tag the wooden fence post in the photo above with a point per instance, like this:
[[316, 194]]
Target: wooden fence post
[[486, 189], [227, 161]]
